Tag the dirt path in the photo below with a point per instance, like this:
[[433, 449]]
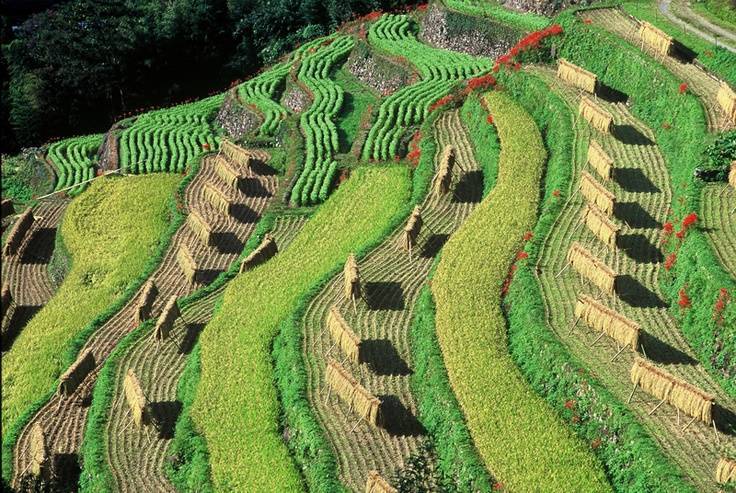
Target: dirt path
[[64, 419], [681, 14], [642, 188], [27, 272], [392, 284]]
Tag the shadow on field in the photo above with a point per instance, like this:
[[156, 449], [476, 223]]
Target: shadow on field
[[634, 215], [725, 420], [397, 419], [638, 248], [206, 276], [683, 53], [661, 352], [434, 244], [20, 317], [40, 247], [67, 471], [635, 294], [630, 135], [261, 168], [608, 93], [384, 295], [243, 214], [227, 242], [634, 180], [164, 415], [252, 187], [383, 358], [191, 334], [469, 190]]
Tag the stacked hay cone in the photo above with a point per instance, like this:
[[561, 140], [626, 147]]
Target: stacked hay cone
[[412, 229], [265, 251], [165, 322], [144, 306], [358, 399], [343, 335], [376, 484], [577, 76], [352, 278], [597, 194], [236, 153], [443, 179], [228, 173], [659, 41], [598, 118], [727, 100], [600, 225], [76, 373], [600, 160], [602, 319], [217, 198], [187, 264], [135, 398], [732, 175], [726, 471], [18, 233], [592, 268], [40, 456], [199, 226]]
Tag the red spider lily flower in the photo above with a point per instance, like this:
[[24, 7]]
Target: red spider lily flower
[[684, 300], [497, 486], [490, 119], [683, 88], [689, 220], [668, 228], [670, 261], [556, 193], [528, 236], [680, 234], [587, 20], [569, 404], [522, 255]]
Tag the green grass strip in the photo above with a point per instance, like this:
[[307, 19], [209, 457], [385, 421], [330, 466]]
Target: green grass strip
[[519, 437], [236, 406]]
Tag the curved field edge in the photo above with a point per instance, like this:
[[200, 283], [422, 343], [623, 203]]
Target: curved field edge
[[632, 459], [716, 206], [71, 351], [679, 124], [519, 437], [96, 474], [238, 343]]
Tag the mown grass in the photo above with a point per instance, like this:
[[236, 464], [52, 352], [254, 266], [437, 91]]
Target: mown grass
[[236, 407], [110, 232], [357, 98], [519, 437]]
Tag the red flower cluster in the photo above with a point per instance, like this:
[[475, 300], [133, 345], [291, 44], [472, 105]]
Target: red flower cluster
[[490, 119], [497, 486], [440, 102], [482, 82], [587, 20], [569, 404], [683, 88], [530, 41], [689, 220], [556, 193], [522, 255], [720, 306], [372, 16], [507, 281], [414, 151], [528, 236], [670, 261], [684, 300], [422, 7]]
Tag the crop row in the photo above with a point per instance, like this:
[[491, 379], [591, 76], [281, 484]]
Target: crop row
[[517, 435], [483, 8], [261, 91], [166, 140], [440, 70], [74, 160], [317, 122]]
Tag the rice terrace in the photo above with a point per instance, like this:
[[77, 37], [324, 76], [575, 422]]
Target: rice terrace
[[371, 246]]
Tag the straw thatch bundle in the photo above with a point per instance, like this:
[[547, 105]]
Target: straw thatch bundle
[[199, 226], [186, 263], [18, 233], [726, 471], [597, 222], [145, 302], [577, 76], [412, 229], [732, 175], [602, 319], [598, 118], [39, 451], [596, 193], [675, 391], [136, 399], [228, 172], [376, 484], [344, 336], [235, 153], [661, 42], [600, 160], [6, 208], [6, 298], [727, 99], [265, 251], [443, 180], [352, 278], [217, 198], [76, 373], [592, 268], [358, 399], [166, 320]]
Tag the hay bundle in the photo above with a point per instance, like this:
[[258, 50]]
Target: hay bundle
[[727, 100], [352, 278], [358, 399], [186, 263], [18, 233], [136, 399], [592, 268], [235, 153], [600, 225], [76, 373], [655, 38], [675, 391], [265, 251], [6, 299], [725, 471], [600, 160], [145, 302], [732, 175], [217, 198], [344, 336], [6, 208], [166, 320], [39, 451], [598, 118], [596, 193], [577, 76], [412, 229], [602, 319], [376, 484], [443, 180], [228, 172], [199, 226]]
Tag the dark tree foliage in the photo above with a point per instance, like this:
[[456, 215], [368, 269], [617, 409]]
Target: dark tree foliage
[[78, 65]]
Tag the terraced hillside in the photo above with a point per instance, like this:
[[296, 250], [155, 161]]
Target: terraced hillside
[[718, 204]]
